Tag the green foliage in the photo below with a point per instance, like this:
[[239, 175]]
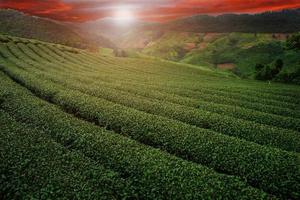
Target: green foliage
[[245, 54], [172, 45], [150, 173], [106, 52], [259, 67], [34, 166], [268, 22], [293, 42], [290, 77], [267, 72], [4, 39], [172, 126], [242, 50]]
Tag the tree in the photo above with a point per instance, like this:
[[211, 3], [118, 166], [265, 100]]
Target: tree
[[276, 69], [259, 67], [278, 64], [293, 42], [261, 72], [268, 72]]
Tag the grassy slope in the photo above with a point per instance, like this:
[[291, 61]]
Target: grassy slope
[[229, 49], [245, 51], [170, 45], [242, 50], [18, 24], [173, 45]]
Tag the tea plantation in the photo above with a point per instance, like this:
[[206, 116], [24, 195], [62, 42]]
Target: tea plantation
[[81, 125]]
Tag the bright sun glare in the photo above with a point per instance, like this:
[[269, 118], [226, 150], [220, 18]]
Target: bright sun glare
[[124, 15]]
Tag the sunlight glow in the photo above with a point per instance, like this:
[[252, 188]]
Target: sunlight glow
[[124, 15]]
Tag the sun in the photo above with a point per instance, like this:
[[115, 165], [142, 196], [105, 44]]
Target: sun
[[124, 15]]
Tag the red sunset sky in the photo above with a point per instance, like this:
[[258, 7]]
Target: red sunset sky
[[150, 10]]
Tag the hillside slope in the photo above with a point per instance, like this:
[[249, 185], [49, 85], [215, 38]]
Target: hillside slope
[[242, 52], [236, 52], [110, 28], [18, 24], [229, 42], [140, 129], [286, 21]]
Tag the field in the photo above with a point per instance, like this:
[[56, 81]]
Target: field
[[81, 125]]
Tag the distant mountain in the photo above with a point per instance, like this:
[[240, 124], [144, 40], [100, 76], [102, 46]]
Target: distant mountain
[[112, 28], [19, 24], [96, 38], [160, 37], [229, 42], [286, 21]]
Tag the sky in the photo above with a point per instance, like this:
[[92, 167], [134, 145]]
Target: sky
[[147, 10]]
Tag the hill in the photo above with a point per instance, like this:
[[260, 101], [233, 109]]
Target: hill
[[286, 21], [18, 24], [236, 52], [76, 124], [111, 28], [240, 53], [229, 42]]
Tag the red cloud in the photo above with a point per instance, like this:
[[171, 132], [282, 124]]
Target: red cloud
[[154, 10], [192, 7], [53, 9]]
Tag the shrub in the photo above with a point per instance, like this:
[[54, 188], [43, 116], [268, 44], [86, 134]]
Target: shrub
[[293, 42], [72, 82], [39, 168], [267, 72], [246, 159], [152, 174]]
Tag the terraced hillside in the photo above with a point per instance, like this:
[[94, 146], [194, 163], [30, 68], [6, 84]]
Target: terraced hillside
[[77, 125]]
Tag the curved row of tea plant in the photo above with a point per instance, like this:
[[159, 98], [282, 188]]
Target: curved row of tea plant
[[81, 83], [213, 91], [263, 167], [156, 104], [262, 107], [225, 110], [244, 129], [151, 173], [254, 96], [33, 166], [273, 120], [229, 101]]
